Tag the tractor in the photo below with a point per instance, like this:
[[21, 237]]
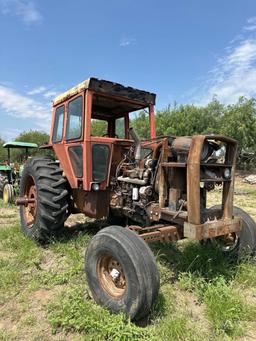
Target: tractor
[[152, 190], [10, 173]]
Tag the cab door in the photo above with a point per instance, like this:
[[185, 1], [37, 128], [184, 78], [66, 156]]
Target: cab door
[[67, 138]]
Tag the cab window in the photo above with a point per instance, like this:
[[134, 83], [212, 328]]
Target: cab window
[[120, 128], [100, 156], [74, 125], [99, 127], [58, 124]]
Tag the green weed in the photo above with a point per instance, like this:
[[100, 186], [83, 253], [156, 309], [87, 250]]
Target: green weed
[[246, 274], [73, 312], [177, 328], [5, 335], [225, 308], [52, 278]]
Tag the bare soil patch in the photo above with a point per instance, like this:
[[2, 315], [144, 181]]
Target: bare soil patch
[[9, 215]]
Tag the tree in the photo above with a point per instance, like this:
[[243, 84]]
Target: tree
[[2, 151], [239, 122], [99, 127], [141, 124], [32, 136]]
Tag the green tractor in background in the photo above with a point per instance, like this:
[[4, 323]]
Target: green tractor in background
[[10, 172]]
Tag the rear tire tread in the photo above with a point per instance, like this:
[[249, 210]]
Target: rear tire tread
[[52, 198]]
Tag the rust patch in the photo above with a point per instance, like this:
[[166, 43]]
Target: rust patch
[[212, 229]]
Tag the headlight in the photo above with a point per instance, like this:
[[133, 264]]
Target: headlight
[[227, 173], [95, 187]]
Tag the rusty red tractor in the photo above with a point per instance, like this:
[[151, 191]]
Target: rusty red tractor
[[149, 190]]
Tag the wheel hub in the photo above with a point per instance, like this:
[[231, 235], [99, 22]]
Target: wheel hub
[[31, 206], [5, 195], [228, 242], [111, 276]]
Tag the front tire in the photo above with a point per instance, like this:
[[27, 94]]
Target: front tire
[[121, 272], [43, 185], [240, 243]]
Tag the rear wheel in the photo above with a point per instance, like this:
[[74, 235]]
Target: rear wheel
[[46, 194], [121, 272], [3, 182], [241, 242], [8, 193]]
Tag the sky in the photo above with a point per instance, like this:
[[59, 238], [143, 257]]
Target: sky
[[184, 51]]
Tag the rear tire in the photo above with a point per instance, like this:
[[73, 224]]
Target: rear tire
[[3, 182], [245, 240], [121, 272], [42, 183], [8, 194]]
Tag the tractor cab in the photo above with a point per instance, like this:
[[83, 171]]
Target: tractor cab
[[87, 157]]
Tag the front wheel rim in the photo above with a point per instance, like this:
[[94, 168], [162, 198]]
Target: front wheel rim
[[111, 276]]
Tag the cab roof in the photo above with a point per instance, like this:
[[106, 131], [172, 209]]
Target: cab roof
[[17, 144], [108, 88]]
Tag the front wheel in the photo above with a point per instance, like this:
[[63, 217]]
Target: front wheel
[[241, 242], [121, 272]]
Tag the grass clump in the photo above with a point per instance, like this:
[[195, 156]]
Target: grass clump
[[190, 282], [214, 279], [52, 278], [19, 256], [5, 335], [246, 274], [226, 310], [178, 328], [171, 320], [71, 312]]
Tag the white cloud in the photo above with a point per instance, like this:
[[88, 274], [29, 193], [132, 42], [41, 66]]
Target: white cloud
[[126, 42], [38, 90], [25, 9], [18, 105], [235, 72], [46, 92], [251, 24], [50, 94]]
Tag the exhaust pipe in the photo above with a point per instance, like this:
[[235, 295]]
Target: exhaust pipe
[[136, 140]]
